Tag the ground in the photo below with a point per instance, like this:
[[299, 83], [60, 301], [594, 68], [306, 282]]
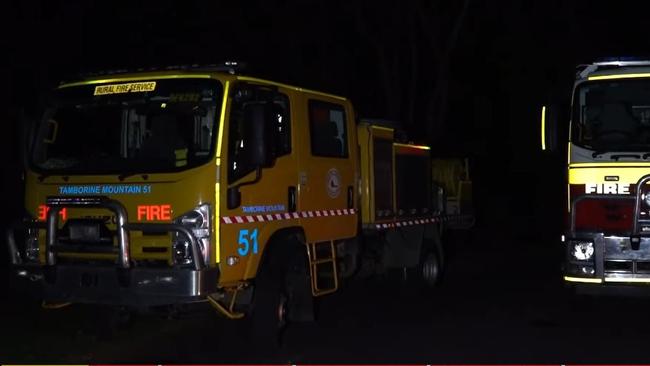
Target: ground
[[502, 301]]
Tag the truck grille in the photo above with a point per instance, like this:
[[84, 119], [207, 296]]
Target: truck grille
[[619, 266], [622, 266]]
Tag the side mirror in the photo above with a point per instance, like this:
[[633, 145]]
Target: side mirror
[[27, 131], [259, 134], [52, 131], [549, 128], [233, 199]]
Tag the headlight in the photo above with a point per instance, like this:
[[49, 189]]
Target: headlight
[[646, 198], [581, 250], [31, 245], [198, 222]]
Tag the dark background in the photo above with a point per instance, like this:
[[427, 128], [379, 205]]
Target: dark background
[[467, 77]]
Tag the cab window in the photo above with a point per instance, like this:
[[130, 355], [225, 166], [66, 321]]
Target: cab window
[[328, 129]]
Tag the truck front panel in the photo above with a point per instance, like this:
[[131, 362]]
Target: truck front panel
[[607, 241], [121, 191]]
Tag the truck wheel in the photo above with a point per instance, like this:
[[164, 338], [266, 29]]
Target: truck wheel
[[282, 295], [430, 269], [268, 317], [300, 302]]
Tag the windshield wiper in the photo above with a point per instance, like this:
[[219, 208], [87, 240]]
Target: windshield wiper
[[618, 156], [123, 176], [625, 152], [597, 153], [43, 176]]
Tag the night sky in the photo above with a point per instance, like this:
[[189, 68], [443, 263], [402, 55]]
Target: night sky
[[467, 77]]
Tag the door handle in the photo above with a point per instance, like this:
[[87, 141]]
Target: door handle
[[292, 199], [350, 197]]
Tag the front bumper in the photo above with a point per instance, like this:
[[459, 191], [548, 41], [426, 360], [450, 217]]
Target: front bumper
[[116, 286], [122, 283], [618, 267]]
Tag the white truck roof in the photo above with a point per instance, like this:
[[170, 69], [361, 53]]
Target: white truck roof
[[612, 67]]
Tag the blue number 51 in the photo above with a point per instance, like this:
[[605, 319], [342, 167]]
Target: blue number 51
[[244, 242]]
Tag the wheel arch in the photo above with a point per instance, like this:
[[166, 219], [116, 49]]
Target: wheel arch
[[274, 247]]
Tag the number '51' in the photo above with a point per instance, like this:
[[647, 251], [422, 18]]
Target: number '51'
[[245, 241]]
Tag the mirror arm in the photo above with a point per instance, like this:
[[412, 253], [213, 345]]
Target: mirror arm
[[234, 197], [258, 176]]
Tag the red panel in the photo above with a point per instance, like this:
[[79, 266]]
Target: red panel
[[610, 215]]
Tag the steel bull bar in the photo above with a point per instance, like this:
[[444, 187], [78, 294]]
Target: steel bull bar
[[120, 284], [638, 228]]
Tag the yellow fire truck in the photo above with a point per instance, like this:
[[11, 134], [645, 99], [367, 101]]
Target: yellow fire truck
[[608, 200], [193, 184]]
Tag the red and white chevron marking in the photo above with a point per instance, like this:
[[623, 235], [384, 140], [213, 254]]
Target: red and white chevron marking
[[286, 216], [421, 221]]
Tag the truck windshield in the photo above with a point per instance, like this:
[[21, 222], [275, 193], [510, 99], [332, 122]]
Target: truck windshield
[[128, 127], [612, 115]]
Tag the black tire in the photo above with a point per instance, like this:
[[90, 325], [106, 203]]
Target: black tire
[[430, 268], [267, 318], [282, 295], [300, 301]]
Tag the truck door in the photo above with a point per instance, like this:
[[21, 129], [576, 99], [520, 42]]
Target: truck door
[[264, 199], [327, 170]]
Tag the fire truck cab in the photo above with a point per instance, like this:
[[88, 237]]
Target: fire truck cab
[[607, 239]]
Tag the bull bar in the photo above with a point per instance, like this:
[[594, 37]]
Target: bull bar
[[117, 284]]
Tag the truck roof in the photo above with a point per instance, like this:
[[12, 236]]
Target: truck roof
[[613, 69], [171, 72]]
